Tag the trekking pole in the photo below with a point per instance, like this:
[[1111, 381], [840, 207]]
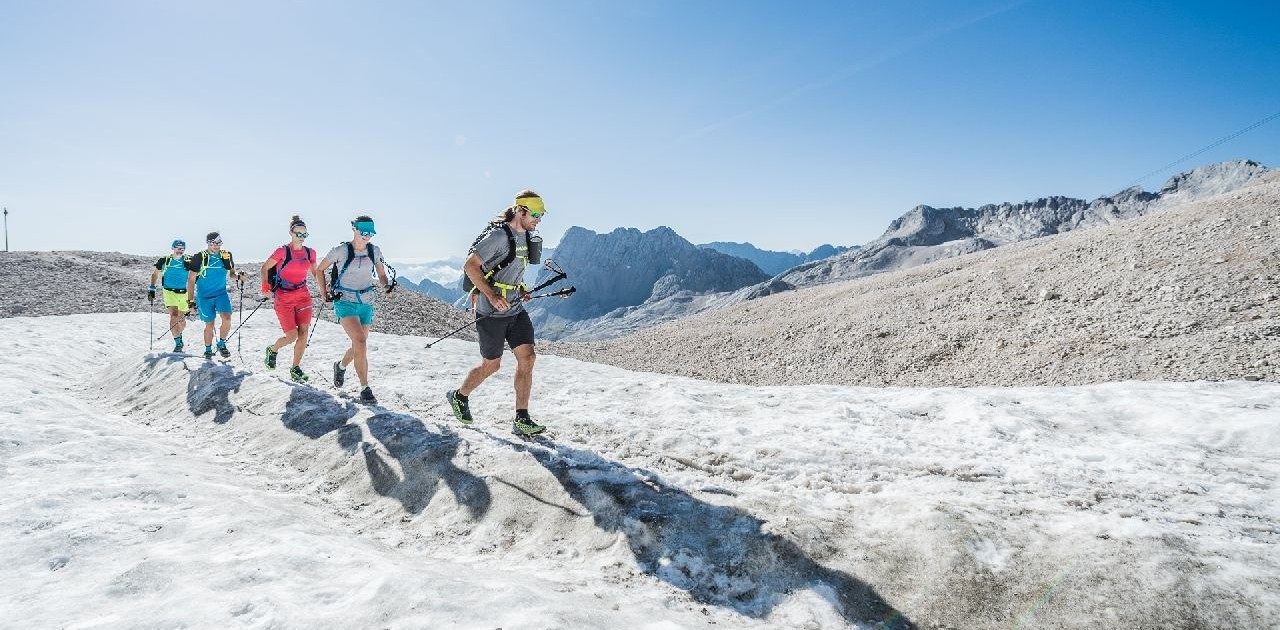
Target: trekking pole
[[261, 301], [315, 321], [557, 272], [561, 293], [456, 331], [174, 325], [238, 353], [151, 324]]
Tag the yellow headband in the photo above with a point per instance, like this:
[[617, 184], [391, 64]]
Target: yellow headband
[[534, 204]]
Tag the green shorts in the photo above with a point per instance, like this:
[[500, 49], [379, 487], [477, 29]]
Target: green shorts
[[173, 299], [343, 309]]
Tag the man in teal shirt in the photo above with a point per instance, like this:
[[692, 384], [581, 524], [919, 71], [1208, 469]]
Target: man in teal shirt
[[207, 274]]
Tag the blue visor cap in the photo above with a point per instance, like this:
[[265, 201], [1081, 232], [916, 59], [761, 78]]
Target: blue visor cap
[[178, 243], [364, 226]]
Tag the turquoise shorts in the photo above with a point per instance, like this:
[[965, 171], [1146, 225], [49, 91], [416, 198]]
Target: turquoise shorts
[[343, 309], [208, 304]]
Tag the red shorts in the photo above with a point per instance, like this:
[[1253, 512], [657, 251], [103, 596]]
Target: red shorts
[[293, 309]]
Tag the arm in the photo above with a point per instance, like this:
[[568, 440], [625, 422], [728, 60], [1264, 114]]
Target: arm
[[474, 268], [231, 268], [317, 271], [382, 276], [262, 273], [324, 286]]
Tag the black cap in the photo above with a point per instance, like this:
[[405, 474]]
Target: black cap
[[212, 236]]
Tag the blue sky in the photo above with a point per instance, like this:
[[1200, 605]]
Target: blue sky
[[124, 124]]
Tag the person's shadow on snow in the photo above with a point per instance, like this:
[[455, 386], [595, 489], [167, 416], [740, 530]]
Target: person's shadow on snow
[[209, 386], [424, 458], [315, 414], [720, 555]]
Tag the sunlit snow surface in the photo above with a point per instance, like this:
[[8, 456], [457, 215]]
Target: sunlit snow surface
[[145, 489]]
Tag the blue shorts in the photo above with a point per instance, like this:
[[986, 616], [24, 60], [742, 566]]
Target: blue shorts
[[342, 309], [207, 304]]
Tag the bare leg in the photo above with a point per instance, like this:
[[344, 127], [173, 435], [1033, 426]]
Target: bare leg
[[301, 345], [176, 321], [525, 356], [477, 375], [357, 353], [226, 325], [287, 339]]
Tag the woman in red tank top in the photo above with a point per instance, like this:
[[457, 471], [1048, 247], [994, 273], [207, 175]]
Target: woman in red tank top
[[284, 276]]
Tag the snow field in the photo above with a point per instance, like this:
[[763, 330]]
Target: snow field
[[666, 500]]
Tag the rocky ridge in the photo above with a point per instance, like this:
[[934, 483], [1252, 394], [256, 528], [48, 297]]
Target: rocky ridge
[[69, 282], [626, 267], [926, 234], [1189, 293], [772, 262]]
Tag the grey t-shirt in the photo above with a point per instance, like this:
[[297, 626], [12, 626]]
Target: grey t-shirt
[[492, 249], [360, 275]]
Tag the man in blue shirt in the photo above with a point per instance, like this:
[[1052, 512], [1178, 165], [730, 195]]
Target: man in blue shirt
[[172, 272], [207, 274]]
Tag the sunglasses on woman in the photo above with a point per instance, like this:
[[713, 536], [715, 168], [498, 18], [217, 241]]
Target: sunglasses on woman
[[301, 234]]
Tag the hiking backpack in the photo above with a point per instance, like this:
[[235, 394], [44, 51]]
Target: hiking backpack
[[273, 274], [335, 275], [469, 286]]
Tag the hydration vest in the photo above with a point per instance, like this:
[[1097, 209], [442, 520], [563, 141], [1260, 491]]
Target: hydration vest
[[175, 274], [469, 286], [335, 280], [276, 280], [204, 261]]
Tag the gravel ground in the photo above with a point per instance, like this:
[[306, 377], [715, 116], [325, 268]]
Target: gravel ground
[[1189, 293], [69, 282]]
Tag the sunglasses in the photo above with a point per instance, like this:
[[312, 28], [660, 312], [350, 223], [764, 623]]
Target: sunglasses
[[179, 247], [537, 215], [217, 242], [301, 234], [367, 234]]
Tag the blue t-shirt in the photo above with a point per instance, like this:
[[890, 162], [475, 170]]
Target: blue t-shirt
[[211, 280]]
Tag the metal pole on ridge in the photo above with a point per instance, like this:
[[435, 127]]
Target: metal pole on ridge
[[6, 229], [241, 322]]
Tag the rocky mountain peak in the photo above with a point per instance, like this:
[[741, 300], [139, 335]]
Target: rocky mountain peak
[[626, 267]]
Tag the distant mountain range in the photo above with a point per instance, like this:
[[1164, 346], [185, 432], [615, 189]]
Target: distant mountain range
[[627, 268], [426, 286], [628, 279], [626, 294], [925, 234], [772, 262]]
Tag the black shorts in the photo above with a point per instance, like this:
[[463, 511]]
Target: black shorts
[[516, 331]]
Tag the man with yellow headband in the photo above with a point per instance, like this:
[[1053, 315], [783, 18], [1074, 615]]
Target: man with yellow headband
[[496, 267]]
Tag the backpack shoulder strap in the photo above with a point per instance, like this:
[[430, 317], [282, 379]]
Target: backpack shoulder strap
[[288, 255], [511, 247]]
